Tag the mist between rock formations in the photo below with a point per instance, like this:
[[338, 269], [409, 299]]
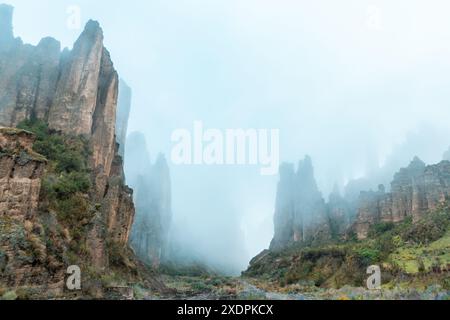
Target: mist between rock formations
[[360, 89], [253, 147]]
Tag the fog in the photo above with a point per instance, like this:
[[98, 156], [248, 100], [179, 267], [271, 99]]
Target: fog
[[357, 85]]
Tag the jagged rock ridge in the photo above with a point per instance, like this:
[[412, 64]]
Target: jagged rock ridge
[[20, 172], [302, 216], [301, 213], [152, 185], [415, 191], [21, 245], [76, 93], [123, 113]]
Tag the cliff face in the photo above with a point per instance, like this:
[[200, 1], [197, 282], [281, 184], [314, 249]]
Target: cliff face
[[20, 172], [301, 213], [28, 76], [340, 214], [123, 113], [152, 187], [76, 94], [415, 191], [284, 208], [24, 257]]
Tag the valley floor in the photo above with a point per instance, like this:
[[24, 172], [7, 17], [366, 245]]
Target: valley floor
[[239, 288]]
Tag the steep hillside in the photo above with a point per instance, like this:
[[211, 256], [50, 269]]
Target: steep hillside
[[63, 198], [331, 245], [411, 254]]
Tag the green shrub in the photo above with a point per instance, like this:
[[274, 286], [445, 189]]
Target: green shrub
[[73, 210], [368, 256], [67, 153], [67, 181], [69, 184], [380, 228], [10, 295], [199, 286], [430, 229]]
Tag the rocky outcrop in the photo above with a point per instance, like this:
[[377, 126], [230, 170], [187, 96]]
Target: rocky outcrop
[[28, 74], [70, 100], [312, 221], [25, 258], [340, 214], [76, 93], [123, 113], [284, 208], [370, 209], [79, 86], [118, 205], [20, 174], [301, 214], [153, 201], [415, 191]]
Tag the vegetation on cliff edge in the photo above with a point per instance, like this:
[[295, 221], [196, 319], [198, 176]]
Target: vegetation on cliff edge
[[415, 252]]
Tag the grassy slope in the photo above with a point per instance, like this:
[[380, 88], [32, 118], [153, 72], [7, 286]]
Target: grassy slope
[[418, 258], [407, 252], [57, 236]]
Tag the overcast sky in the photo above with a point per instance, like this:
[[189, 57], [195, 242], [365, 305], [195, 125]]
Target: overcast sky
[[344, 81]]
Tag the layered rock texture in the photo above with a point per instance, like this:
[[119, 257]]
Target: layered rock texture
[[75, 91], [152, 186], [302, 216], [301, 213], [20, 174], [24, 257], [123, 113], [415, 191], [76, 94]]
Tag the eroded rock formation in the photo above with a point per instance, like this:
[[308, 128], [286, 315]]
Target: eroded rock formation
[[301, 213], [76, 93], [123, 113], [24, 255], [340, 214], [20, 174], [415, 191], [152, 187]]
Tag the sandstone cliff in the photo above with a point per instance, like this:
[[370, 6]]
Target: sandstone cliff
[[20, 172], [76, 94], [152, 186], [415, 191], [75, 91], [301, 214], [341, 214], [25, 259], [123, 113]]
